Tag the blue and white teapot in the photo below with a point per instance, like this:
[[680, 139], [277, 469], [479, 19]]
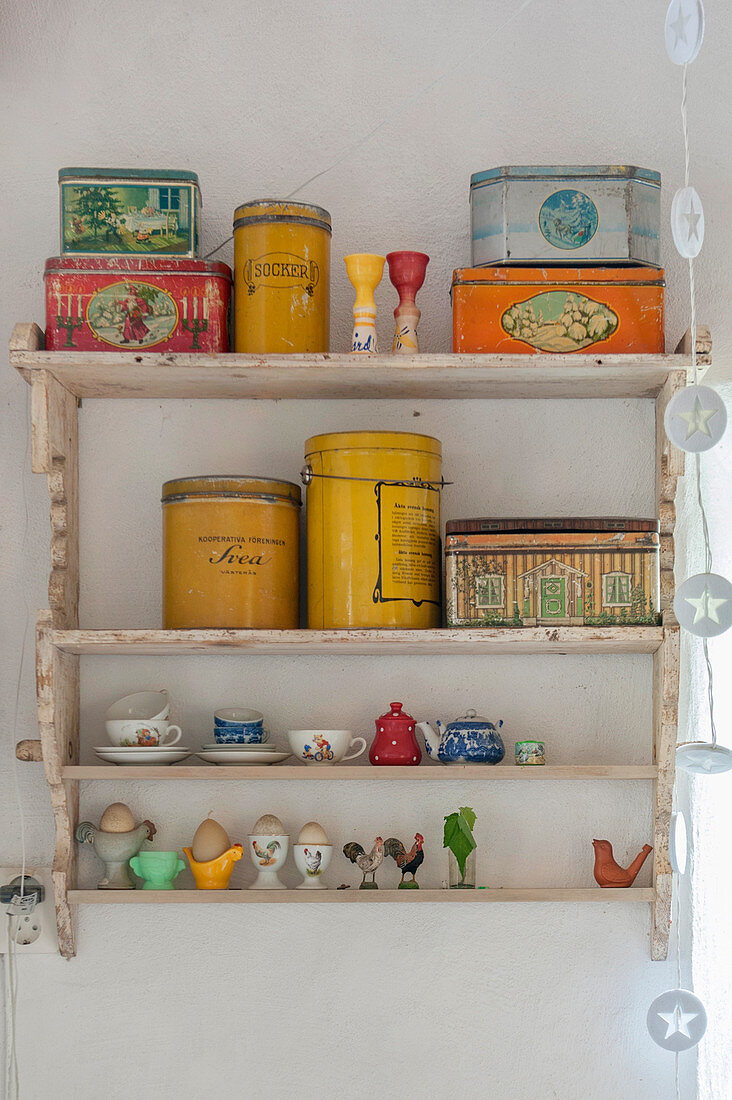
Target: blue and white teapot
[[468, 740]]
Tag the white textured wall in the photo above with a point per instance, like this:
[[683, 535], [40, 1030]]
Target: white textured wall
[[516, 1002]]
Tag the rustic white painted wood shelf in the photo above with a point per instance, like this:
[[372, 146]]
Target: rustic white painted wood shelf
[[310, 377], [522, 640], [354, 896], [59, 380], [344, 772]]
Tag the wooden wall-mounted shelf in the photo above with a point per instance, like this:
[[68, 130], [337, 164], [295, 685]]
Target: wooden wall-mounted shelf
[[428, 773], [353, 895], [59, 380]]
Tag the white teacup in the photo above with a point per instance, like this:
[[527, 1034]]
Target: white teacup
[[324, 746], [146, 705], [142, 732]]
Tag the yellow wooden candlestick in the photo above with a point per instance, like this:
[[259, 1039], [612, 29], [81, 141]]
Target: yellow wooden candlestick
[[365, 271]]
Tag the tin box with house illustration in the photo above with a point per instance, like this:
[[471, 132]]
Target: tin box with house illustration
[[558, 309], [551, 572], [129, 210], [549, 214], [134, 303]]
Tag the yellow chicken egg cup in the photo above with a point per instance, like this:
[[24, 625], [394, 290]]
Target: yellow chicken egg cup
[[214, 874]]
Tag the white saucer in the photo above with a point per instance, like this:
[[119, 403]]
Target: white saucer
[[154, 750], [239, 748], [141, 756], [215, 757]]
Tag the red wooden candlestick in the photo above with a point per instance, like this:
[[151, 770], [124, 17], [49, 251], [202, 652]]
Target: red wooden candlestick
[[407, 271]]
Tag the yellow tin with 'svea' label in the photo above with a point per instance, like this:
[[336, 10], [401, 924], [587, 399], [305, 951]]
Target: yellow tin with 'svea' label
[[230, 553], [281, 277]]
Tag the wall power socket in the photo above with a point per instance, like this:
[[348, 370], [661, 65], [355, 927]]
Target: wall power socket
[[36, 933]]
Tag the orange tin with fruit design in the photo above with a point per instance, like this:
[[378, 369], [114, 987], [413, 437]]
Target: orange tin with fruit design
[[558, 309]]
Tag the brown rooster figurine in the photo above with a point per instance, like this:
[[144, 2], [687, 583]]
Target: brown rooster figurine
[[610, 874], [368, 864], [408, 862]]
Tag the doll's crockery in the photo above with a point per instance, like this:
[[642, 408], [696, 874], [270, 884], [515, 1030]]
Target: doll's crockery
[[312, 854], [530, 753], [268, 848], [158, 869], [407, 271], [368, 863], [408, 862], [395, 742], [365, 271], [608, 873], [467, 740], [325, 746], [116, 841]]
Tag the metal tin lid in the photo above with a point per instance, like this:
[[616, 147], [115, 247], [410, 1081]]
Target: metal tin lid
[[388, 441], [556, 172], [562, 523], [281, 210], [550, 276], [131, 174], [125, 265], [184, 488]]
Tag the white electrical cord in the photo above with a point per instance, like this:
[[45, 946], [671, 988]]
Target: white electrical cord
[[12, 1084]]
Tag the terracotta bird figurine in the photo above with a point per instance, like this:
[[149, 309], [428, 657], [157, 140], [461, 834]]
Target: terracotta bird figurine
[[610, 874], [367, 863]]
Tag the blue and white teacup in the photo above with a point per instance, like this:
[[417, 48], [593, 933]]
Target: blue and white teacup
[[239, 726], [241, 735]]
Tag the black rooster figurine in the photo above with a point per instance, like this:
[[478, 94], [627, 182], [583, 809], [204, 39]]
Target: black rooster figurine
[[408, 862]]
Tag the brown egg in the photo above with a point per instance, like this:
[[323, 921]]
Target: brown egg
[[312, 833], [209, 841], [117, 818], [268, 825]]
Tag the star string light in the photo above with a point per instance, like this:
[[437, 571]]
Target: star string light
[[695, 419], [676, 1020]]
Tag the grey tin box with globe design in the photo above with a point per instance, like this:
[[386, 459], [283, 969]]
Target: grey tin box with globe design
[[591, 214]]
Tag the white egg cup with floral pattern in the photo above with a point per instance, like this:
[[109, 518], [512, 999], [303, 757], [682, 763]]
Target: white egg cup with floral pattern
[[311, 861], [268, 856]]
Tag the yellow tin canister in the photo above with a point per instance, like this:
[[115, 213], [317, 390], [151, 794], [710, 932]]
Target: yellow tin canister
[[373, 530], [230, 553], [281, 277]]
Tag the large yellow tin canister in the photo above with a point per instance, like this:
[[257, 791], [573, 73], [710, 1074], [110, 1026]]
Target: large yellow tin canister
[[373, 530], [281, 277], [230, 553]]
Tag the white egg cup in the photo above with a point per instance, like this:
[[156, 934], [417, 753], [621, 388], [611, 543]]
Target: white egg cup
[[311, 861], [268, 854]]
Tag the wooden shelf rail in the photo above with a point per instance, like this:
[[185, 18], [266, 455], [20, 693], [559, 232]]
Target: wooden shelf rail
[[355, 896]]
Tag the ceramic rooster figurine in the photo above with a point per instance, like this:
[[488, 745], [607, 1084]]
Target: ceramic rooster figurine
[[367, 864], [608, 873], [408, 862]]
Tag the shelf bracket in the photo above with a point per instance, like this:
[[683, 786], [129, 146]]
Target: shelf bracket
[[57, 685]]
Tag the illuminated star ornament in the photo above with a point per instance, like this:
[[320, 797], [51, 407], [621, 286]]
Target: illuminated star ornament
[[676, 1020], [703, 604], [684, 30], [687, 222], [695, 419]]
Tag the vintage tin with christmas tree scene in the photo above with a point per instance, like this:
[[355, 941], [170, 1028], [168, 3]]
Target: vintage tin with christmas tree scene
[[133, 303], [551, 572], [558, 309], [559, 214], [129, 210]]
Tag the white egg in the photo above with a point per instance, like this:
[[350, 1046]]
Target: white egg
[[117, 818], [268, 825], [210, 841], [312, 833]]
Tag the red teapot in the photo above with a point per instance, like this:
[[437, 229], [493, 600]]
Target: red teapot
[[395, 741]]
